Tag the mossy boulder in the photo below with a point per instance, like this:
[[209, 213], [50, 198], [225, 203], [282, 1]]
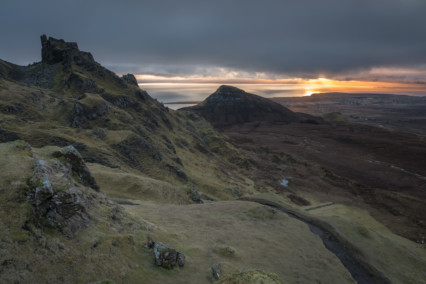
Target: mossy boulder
[[168, 257]]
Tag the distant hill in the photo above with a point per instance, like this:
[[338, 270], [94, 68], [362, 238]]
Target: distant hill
[[229, 106], [398, 112], [101, 183]]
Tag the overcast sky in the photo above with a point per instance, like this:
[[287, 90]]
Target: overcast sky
[[269, 39]]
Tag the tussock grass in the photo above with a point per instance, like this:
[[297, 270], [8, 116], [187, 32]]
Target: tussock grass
[[274, 243], [124, 185], [399, 259]]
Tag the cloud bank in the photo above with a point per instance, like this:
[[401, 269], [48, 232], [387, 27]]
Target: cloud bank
[[281, 38]]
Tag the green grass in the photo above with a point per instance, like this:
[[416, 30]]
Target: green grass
[[273, 244], [400, 260]]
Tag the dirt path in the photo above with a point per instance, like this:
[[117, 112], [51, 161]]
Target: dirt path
[[361, 271]]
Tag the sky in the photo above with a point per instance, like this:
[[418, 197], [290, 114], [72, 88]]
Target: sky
[[290, 47]]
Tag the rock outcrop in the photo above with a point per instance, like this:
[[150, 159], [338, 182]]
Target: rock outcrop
[[83, 85], [82, 113], [78, 166], [130, 79], [122, 101], [57, 50], [167, 257], [59, 201]]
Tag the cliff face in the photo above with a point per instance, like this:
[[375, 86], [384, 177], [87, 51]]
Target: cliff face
[[57, 50]]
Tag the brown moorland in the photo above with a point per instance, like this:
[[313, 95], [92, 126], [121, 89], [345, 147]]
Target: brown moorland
[[380, 169]]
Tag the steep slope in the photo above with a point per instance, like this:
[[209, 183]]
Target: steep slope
[[53, 220], [229, 105], [70, 99], [110, 173]]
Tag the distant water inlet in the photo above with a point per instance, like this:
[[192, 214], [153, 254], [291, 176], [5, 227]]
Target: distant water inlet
[[178, 105], [196, 92], [185, 92]]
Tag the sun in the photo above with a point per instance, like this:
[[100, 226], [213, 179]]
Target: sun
[[309, 92]]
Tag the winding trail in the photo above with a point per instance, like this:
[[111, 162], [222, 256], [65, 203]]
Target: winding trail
[[361, 271]]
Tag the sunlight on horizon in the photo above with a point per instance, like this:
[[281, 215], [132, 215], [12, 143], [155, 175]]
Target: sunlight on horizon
[[182, 89]]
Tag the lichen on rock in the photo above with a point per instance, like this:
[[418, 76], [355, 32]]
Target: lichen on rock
[[167, 257], [78, 166], [58, 199]]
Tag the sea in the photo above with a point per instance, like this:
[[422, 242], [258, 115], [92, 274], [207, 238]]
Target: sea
[[179, 95]]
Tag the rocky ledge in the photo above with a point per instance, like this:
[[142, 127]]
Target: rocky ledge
[[57, 190], [57, 50]]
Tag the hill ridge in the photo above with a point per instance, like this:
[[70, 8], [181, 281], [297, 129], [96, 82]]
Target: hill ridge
[[229, 105]]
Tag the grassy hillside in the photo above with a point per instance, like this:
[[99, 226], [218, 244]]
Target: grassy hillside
[[92, 168], [118, 126]]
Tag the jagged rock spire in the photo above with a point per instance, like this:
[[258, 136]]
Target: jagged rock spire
[[57, 50]]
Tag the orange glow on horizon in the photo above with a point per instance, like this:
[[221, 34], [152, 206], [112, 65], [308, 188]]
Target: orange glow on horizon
[[310, 86]]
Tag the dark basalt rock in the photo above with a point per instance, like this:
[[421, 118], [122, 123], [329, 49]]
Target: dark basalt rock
[[43, 190], [6, 136], [83, 85], [195, 196], [169, 144], [78, 166], [56, 206], [58, 51], [122, 101], [142, 95], [130, 79], [15, 109], [216, 271], [179, 173], [68, 209], [136, 147], [167, 257], [81, 113]]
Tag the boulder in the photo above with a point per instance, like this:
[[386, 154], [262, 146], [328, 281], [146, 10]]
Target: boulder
[[167, 257], [195, 196], [130, 79], [58, 202], [216, 271]]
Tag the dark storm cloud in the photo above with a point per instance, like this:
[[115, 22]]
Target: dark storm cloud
[[304, 37]]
